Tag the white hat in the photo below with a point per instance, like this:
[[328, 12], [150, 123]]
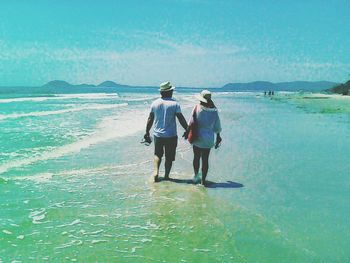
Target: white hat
[[204, 96], [166, 86]]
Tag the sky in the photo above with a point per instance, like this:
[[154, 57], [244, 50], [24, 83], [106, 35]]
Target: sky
[[198, 43]]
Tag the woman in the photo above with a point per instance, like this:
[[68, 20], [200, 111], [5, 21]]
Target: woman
[[207, 124]]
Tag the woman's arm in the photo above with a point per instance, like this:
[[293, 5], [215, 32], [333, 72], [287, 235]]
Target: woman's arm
[[218, 140]]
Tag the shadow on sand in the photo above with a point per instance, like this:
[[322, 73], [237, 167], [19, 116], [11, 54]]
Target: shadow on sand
[[208, 184], [227, 184]]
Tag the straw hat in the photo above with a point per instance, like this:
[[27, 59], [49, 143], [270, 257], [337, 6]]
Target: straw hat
[[204, 96], [166, 86]]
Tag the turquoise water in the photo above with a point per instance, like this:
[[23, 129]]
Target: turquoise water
[[76, 183]]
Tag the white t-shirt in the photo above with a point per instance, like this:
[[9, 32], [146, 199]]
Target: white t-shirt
[[165, 110]]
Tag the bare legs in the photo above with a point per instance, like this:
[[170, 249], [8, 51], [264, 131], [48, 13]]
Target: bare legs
[[196, 159], [167, 165], [205, 164], [157, 162], [161, 146], [201, 153]]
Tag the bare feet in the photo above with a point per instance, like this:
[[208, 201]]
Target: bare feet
[[156, 178], [196, 178]]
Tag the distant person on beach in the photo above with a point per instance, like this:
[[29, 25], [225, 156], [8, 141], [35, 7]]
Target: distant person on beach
[[206, 116], [163, 113]]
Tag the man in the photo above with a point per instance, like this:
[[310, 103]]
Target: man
[[163, 113]]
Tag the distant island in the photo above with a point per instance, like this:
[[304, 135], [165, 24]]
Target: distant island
[[65, 84], [281, 86], [249, 86], [343, 89]]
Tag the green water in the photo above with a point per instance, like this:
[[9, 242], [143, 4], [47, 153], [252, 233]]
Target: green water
[[76, 183]]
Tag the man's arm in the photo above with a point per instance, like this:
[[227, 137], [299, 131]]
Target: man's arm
[[149, 123], [182, 120]]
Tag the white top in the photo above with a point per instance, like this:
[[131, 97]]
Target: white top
[[165, 110], [208, 123]]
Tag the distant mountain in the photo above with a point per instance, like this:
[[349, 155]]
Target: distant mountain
[[256, 85], [281, 86], [57, 84], [307, 85], [341, 88], [109, 84], [84, 85], [65, 84], [251, 86]]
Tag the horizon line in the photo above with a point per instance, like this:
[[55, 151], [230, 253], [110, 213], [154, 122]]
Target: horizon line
[[178, 86]]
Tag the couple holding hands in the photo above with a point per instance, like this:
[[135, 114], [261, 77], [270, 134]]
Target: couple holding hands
[[203, 125]]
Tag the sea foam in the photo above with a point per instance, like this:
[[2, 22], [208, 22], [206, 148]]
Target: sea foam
[[55, 112], [85, 96], [109, 128]]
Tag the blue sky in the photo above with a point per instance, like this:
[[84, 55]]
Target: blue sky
[[189, 42]]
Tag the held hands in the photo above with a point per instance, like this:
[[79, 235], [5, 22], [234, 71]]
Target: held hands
[[187, 131], [185, 135]]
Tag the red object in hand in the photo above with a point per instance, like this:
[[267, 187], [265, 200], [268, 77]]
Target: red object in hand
[[192, 128], [192, 133]]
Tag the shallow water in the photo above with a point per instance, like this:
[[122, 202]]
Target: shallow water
[[76, 183]]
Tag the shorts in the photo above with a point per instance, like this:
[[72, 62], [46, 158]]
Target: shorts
[[168, 145], [201, 151]]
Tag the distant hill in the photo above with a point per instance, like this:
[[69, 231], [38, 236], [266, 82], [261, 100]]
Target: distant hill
[[109, 83], [256, 85], [307, 85], [341, 88], [84, 85], [57, 84], [251, 86], [65, 84], [281, 86]]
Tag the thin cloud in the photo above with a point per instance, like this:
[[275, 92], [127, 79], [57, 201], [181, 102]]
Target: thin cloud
[[185, 63]]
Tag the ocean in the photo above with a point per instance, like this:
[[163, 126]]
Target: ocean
[[76, 183]]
